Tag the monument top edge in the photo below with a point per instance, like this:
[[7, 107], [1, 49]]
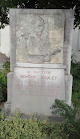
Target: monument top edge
[[40, 11], [49, 66]]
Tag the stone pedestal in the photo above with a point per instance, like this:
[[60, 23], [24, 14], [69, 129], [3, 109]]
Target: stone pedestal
[[36, 86]]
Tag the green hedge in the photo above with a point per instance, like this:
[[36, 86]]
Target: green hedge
[[3, 81]]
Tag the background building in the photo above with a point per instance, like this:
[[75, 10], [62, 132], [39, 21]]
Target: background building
[[76, 44]]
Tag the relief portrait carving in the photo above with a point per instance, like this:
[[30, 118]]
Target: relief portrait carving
[[38, 40]]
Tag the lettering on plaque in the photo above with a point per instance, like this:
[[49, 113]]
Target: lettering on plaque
[[35, 87]]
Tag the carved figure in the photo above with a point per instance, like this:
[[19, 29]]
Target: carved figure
[[38, 37]]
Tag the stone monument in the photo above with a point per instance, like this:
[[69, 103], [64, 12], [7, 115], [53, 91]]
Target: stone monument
[[40, 59]]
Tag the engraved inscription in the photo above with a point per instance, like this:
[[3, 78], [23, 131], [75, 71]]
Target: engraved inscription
[[45, 85]]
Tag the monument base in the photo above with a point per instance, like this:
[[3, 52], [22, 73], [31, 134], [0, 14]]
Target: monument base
[[53, 118]]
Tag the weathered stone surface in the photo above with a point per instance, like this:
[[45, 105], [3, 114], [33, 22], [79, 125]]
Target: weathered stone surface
[[68, 27], [40, 38], [35, 89]]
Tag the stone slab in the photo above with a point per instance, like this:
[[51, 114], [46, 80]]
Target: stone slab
[[49, 66], [39, 38], [35, 89]]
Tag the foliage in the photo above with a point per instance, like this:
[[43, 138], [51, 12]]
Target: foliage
[[64, 110], [75, 67], [72, 125], [3, 87], [75, 71], [6, 67], [3, 81], [35, 128], [1, 95], [39, 4], [29, 129]]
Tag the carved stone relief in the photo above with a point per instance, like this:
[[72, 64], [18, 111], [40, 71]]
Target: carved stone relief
[[39, 38]]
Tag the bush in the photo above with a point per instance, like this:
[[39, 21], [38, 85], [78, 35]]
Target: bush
[[64, 110], [1, 95], [6, 67], [75, 71], [30, 129], [3, 81], [71, 126]]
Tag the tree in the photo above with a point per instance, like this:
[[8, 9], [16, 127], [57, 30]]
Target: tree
[[39, 4]]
